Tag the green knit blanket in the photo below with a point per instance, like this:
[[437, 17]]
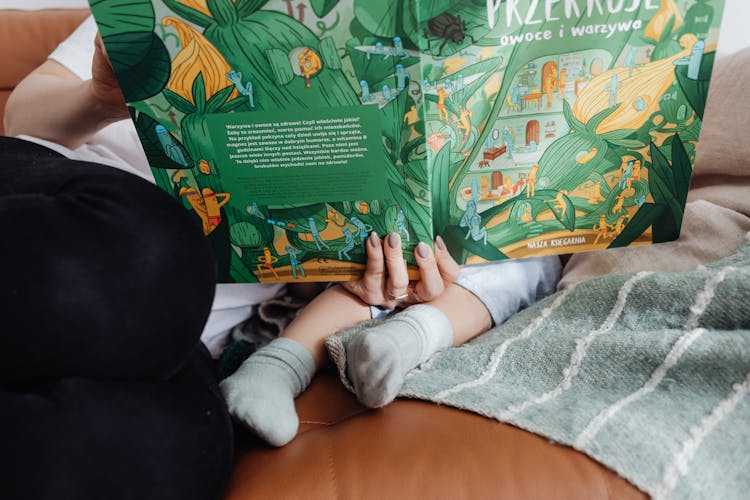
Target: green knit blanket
[[646, 373]]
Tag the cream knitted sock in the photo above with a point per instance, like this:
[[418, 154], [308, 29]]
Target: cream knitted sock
[[379, 357], [261, 392]]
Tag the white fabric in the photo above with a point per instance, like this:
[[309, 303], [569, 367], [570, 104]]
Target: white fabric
[[118, 146]]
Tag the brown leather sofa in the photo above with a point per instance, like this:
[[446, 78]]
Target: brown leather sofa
[[410, 449]]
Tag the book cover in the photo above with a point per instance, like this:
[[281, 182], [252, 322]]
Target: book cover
[[292, 129]]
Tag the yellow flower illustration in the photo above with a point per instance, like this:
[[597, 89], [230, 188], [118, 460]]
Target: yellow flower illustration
[[655, 28], [638, 95], [197, 56], [199, 5]]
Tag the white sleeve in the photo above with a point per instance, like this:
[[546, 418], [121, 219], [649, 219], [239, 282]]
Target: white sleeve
[[77, 51], [508, 286]]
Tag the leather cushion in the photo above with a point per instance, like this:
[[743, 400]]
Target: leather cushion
[[412, 449]]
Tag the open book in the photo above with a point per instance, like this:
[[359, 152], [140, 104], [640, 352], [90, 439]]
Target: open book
[[292, 129]]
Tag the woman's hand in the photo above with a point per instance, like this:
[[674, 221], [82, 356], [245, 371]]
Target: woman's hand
[[385, 282], [53, 103], [104, 86]]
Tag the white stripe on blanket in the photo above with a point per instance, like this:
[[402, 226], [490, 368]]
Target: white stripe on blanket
[[498, 354], [681, 461], [579, 353], [702, 302]]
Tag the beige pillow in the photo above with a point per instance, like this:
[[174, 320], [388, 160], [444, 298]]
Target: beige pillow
[[717, 216], [724, 146]]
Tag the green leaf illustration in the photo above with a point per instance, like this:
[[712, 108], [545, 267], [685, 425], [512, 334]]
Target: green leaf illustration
[[323, 7], [178, 102], [115, 17], [143, 73], [456, 236], [646, 216], [696, 91], [569, 219], [138, 55], [682, 169], [145, 125], [418, 215], [440, 196], [219, 99], [199, 93]]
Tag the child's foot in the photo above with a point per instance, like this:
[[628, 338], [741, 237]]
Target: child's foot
[[261, 392], [379, 357]]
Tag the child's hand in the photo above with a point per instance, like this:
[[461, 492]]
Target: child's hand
[[386, 282], [104, 84]]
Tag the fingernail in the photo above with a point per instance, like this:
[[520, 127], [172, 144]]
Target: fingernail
[[394, 240], [423, 250], [374, 240], [440, 243]]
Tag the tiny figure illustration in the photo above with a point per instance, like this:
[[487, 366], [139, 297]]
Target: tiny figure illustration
[[204, 167], [366, 97], [170, 147], [563, 82], [266, 261], [207, 205], [348, 245], [309, 64], [693, 61], [463, 123], [630, 60], [387, 95], [612, 89], [515, 97], [637, 170], [460, 82], [313, 228], [398, 48], [401, 225], [586, 156], [335, 218], [531, 182], [619, 226], [602, 229], [294, 261], [442, 110], [618, 208], [509, 140], [627, 175], [253, 210], [475, 230], [400, 78], [378, 50], [559, 203], [473, 221], [640, 103], [550, 83], [363, 230], [236, 78], [471, 209]]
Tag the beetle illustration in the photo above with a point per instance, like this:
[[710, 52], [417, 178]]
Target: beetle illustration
[[448, 28]]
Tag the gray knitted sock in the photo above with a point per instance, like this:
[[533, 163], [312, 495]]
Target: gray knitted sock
[[261, 392], [379, 357]]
